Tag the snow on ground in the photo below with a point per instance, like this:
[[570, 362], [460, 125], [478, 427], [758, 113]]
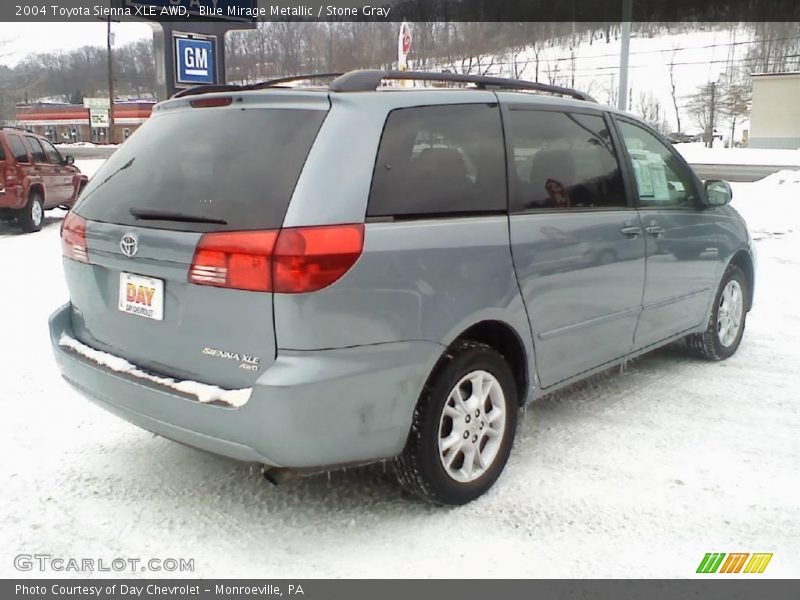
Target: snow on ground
[[697, 154], [771, 206], [631, 474], [89, 166]]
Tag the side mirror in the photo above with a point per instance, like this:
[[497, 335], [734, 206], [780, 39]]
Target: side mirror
[[718, 192], [69, 160]]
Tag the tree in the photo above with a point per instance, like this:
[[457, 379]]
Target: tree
[[734, 104], [651, 111], [703, 107]]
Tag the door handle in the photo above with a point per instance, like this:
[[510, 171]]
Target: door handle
[[631, 232], [655, 230]]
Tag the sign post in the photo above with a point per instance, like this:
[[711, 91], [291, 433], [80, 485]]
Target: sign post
[[99, 109], [403, 47], [196, 59], [191, 51]]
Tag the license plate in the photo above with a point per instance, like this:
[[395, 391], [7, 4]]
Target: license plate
[[141, 296]]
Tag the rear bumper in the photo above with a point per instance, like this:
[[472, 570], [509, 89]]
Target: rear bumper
[[308, 409]]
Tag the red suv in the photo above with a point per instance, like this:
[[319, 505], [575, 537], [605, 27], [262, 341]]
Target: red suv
[[34, 177]]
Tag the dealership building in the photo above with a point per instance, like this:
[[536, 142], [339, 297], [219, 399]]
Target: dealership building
[[72, 123], [775, 114]]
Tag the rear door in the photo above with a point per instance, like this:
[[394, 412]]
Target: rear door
[[683, 241], [63, 173], [188, 172], [45, 171], [15, 176], [576, 239]]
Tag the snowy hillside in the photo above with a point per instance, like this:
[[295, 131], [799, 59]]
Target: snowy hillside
[[698, 58]]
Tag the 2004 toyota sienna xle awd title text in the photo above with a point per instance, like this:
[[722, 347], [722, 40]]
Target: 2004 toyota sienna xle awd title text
[[311, 278]]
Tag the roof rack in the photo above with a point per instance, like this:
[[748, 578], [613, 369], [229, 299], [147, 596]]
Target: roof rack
[[210, 89], [370, 80], [18, 128]]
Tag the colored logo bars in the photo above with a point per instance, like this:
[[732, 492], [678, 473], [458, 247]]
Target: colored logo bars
[[713, 562]]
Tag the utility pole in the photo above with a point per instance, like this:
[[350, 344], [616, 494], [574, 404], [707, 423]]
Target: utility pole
[[110, 137], [712, 116], [627, 15]]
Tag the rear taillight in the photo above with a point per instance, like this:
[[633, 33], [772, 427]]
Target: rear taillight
[[73, 237], [234, 259], [290, 261], [307, 259]]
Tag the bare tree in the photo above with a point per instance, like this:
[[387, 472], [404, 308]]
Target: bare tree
[[651, 111], [704, 107], [735, 105], [672, 90]]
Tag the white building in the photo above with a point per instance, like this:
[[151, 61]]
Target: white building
[[775, 114]]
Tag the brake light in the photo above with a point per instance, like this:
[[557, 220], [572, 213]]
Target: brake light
[[208, 102], [73, 238], [290, 261], [234, 259], [307, 259]]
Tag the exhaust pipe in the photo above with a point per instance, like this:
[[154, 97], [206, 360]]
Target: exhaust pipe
[[276, 475]]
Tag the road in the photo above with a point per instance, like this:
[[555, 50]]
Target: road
[[739, 172]]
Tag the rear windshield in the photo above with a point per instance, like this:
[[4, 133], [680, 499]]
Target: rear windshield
[[236, 168]]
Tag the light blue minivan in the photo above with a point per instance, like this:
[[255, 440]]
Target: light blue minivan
[[315, 277]]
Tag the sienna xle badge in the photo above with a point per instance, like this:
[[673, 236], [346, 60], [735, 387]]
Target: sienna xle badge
[[310, 278]]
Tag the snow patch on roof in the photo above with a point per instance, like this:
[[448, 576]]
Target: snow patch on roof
[[204, 392]]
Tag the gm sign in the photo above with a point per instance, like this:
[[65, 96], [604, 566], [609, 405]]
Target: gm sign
[[196, 59]]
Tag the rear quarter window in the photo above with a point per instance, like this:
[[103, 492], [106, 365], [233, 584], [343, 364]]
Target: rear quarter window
[[18, 150], [440, 160], [234, 165], [37, 152]]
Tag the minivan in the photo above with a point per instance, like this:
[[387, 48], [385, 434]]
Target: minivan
[[315, 277]]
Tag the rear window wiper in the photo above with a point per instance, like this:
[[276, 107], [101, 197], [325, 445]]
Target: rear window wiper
[[150, 214]]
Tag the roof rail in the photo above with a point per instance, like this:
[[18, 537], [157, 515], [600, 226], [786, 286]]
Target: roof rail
[[370, 80], [210, 89], [18, 128]]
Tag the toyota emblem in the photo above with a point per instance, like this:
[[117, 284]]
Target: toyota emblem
[[129, 245]]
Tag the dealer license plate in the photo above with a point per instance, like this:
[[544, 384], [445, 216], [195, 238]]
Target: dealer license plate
[[141, 296]]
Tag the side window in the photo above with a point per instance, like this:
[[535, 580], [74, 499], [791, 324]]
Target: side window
[[562, 161], [37, 152], [53, 154], [2, 151], [661, 180], [440, 160], [18, 149]]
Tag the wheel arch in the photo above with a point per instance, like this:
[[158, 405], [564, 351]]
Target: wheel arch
[[744, 261], [504, 339], [37, 187]]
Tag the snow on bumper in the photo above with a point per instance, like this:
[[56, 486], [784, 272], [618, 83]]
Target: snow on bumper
[[203, 392], [308, 409]]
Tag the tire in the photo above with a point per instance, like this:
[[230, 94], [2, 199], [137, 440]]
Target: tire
[[31, 217], [717, 342], [420, 468]]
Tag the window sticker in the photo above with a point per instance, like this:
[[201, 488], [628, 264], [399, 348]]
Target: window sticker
[[651, 176]]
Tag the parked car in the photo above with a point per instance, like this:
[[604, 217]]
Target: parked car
[[678, 137], [321, 277], [34, 177]]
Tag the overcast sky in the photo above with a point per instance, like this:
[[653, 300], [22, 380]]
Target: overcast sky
[[19, 39]]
